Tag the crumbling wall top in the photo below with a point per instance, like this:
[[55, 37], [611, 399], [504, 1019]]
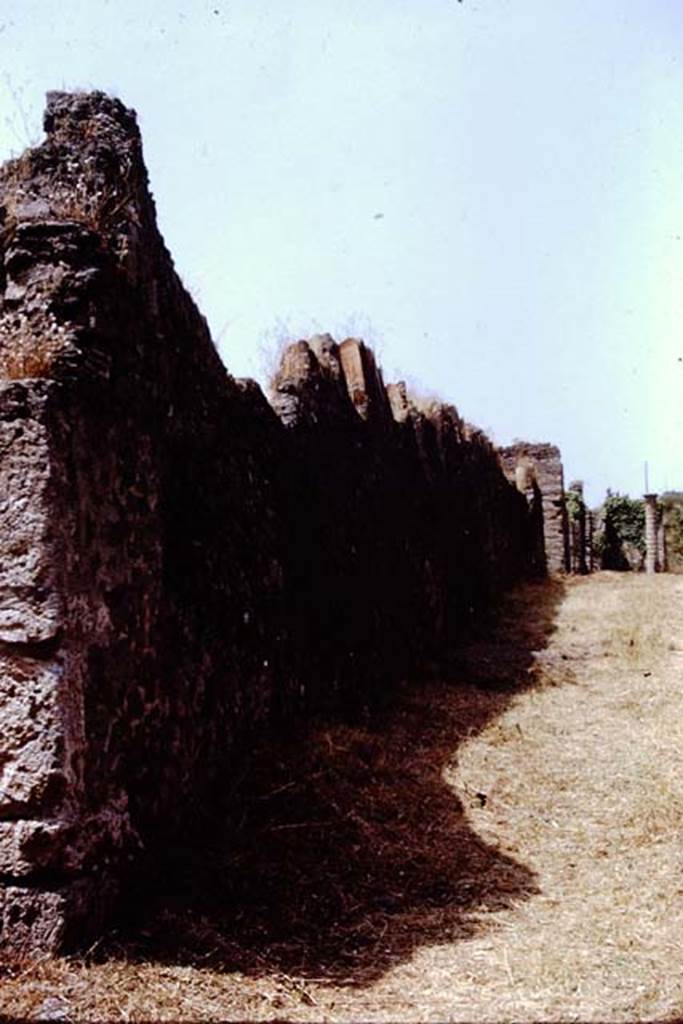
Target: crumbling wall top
[[71, 115]]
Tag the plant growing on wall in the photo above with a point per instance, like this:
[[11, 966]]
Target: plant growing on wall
[[627, 515], [620, 539], [575, 505]]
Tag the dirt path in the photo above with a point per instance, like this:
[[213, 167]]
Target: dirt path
[[585, 787], [489, 853]]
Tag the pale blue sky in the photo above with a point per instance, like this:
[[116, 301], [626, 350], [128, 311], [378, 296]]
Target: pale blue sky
[[491, 192]]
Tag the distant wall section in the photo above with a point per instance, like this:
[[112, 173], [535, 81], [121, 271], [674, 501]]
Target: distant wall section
[[539, 465]]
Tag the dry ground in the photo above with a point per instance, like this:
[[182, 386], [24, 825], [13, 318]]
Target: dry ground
[[502, 846]]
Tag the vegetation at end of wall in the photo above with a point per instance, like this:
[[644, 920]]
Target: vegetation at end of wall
[[619, 539], [627, 517], [575, 505]]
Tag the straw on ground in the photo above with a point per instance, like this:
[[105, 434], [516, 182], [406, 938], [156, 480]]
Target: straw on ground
[[505, 845]]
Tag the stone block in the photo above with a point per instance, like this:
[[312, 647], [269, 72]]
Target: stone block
[[44, 920], [351, 357]]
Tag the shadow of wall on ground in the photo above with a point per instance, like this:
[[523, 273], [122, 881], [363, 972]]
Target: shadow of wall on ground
[[341, 850]]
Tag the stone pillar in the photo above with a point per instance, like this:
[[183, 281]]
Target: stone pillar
[[398, 401], [651, 559], [577, 532], [43, 839], [351, 357], [524, 477], [661, 546]]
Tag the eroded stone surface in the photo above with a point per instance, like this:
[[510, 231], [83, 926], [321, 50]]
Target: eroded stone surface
[[68, 846], [30, 609], [32, 773], [49, 920]]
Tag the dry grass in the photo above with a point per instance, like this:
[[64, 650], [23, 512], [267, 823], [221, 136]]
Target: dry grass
[[503, 846], [28, 358]]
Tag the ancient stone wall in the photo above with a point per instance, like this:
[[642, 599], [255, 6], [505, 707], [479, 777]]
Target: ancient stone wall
[[140, 534], [413, 523], [529, 463], [182, 563]]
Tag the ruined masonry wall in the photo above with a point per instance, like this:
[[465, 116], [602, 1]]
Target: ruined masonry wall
[[413, 524], [183, 563], [542, 464]]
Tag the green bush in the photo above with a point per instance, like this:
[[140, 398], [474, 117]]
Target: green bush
[[627, 517], [619, 541], [575, 505]]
